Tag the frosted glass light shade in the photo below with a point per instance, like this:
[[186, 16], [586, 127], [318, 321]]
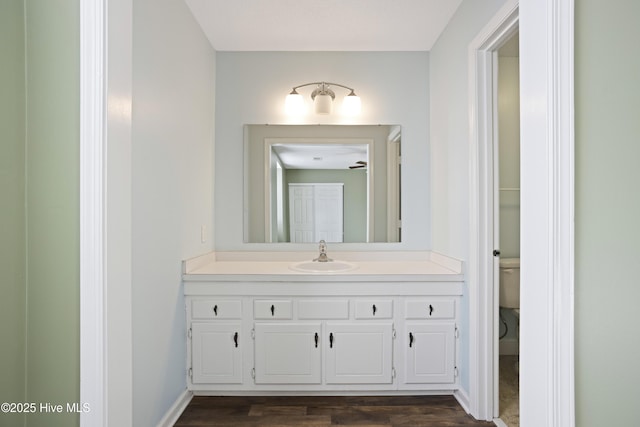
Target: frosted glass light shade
[[294, 104], [351, 105], [322, 104]]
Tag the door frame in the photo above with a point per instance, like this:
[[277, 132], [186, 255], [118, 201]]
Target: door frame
[[483, 264], [106, 344], [547, 204]]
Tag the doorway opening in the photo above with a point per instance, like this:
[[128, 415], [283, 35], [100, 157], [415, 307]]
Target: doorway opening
[[506, 167], [484, 260]]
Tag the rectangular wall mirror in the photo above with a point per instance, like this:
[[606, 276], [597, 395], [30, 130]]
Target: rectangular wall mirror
[[306, 183]]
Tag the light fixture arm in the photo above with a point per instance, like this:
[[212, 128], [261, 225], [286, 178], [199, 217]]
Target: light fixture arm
[[323, 88], [323, 97]]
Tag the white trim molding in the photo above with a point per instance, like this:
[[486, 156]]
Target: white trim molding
[[178, 407], [483, 346], [547, 256], [547, 206], [92, 209], [105, 212]]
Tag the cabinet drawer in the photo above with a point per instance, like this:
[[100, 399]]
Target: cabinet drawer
[[374, 309], [216, 309], [430, 309], [272, 309], [323, 309]]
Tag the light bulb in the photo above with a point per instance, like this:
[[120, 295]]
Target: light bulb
[[294, 104], [351, 104], [322, 104]]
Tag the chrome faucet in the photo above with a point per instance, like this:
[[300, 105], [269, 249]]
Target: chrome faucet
[[323, 253]]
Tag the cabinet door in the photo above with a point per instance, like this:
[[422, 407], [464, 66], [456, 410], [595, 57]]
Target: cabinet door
[[287, 353], [216, 353], [359, 353], [430, 356]]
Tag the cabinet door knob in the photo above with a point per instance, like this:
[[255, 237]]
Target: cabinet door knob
[[374, 309], [235, 339], [410, 339], [215, 309], [316, 339], [331, 340], [273, 310], [430, 309]]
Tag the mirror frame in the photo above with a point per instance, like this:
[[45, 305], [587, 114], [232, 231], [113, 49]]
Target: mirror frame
[[393, 163]]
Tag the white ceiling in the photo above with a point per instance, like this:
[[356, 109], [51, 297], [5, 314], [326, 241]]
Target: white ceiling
[[320, 156], [323, 25]]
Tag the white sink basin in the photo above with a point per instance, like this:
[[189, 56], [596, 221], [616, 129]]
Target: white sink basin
[[323, 267]]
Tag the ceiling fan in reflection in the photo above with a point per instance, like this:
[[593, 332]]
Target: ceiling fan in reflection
[[359, 164]]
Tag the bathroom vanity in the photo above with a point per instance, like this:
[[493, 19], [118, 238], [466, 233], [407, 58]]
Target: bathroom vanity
[[256, 324]]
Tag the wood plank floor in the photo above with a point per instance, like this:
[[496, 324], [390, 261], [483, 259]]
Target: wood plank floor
[[321, 411]]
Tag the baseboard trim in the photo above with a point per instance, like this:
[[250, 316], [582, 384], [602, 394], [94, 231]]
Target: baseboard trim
[[176, 409], [463, 399], [498, 422]]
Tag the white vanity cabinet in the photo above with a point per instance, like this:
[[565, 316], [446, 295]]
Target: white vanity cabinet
[[292, 353], [390, 325], [359, 353], [287, 353], [322, 342], [216, 353], [216, 347], [313, 348], [429, 340]]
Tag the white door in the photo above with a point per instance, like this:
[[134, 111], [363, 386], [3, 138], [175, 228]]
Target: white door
[[287, 353], [301, 215], [359, 353], [430, 356], [316, 212], [216, 353], [329, 204]]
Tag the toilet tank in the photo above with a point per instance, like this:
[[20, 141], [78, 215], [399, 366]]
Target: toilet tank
[[510, 282]]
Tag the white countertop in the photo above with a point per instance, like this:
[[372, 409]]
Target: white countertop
[[275, 266]]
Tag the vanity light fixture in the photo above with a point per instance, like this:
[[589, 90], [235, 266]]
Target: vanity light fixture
[[323, 97]]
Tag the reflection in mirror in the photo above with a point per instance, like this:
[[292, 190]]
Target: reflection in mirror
[[306, 183]]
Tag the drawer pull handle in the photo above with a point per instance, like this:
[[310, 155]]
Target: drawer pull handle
[[215, 309], [235, 339], [410, 339], [331, 340], [273, 310], [316, 339], [430, 309], [374, 309]]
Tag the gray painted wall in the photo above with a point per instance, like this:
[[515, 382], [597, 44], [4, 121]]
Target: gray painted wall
[[39, 168], [251, 88], [509, 156], [52, 207], [449, 74], [12, 213], [172, 189], [607, 288]]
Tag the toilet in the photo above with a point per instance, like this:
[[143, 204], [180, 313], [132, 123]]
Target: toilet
[[510, 290], [510, 284]]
